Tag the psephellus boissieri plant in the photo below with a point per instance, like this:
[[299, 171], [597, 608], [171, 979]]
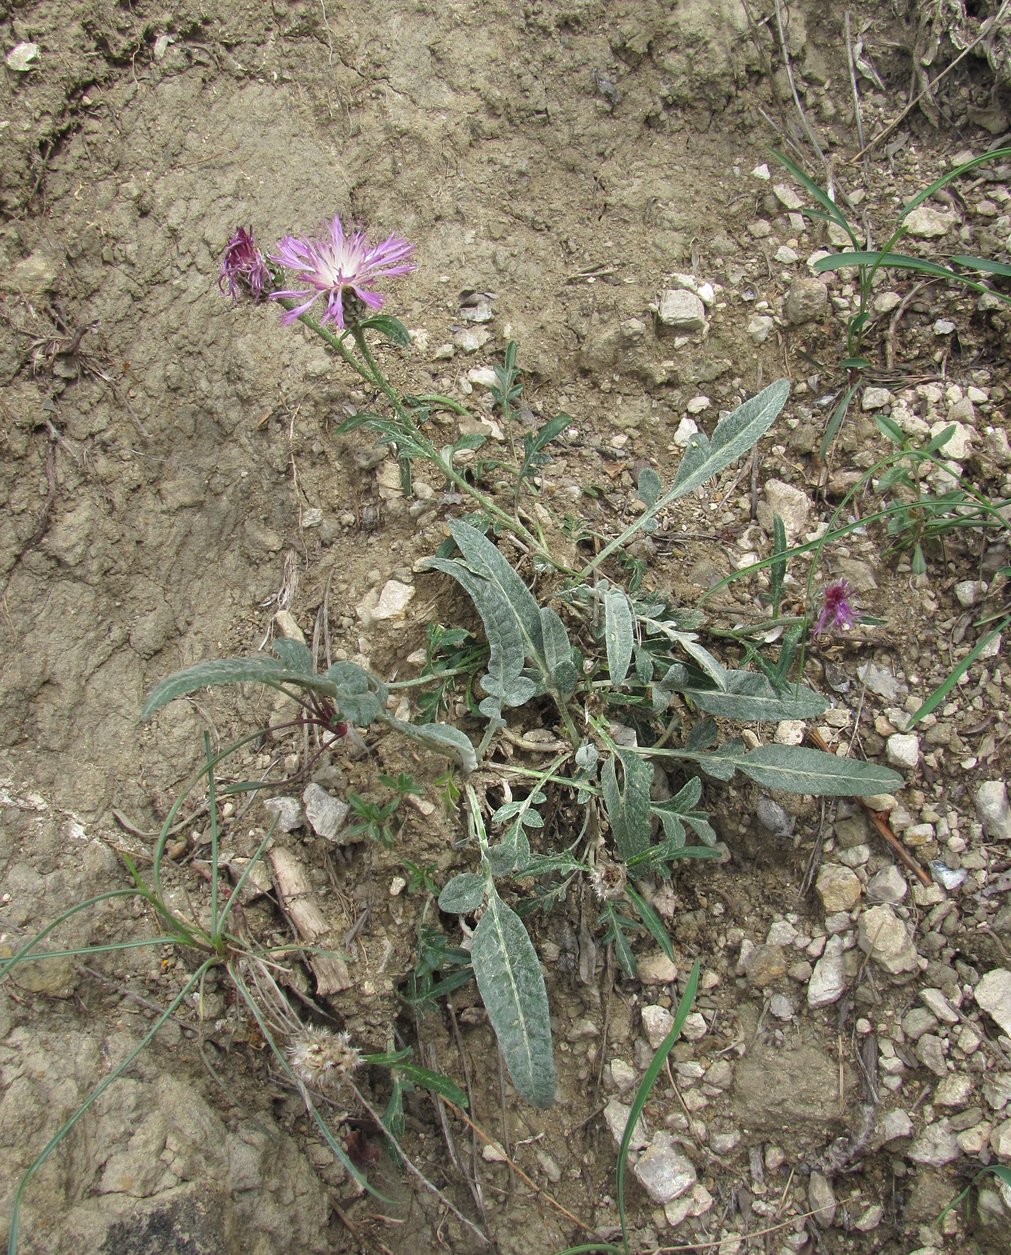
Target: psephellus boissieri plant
[[961, 268], [632, 692], [315, 1059]]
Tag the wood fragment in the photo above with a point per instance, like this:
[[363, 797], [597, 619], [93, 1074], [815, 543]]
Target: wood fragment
[[880, 823], [300, 906]]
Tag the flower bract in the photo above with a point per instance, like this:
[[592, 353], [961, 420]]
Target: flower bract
[[244, 271], [836, 610], [336, 266]]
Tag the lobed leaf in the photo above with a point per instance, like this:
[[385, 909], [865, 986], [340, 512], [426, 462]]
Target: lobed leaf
[[512, 988]]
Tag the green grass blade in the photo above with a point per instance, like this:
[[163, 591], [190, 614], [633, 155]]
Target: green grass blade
[[983, 263], [926, 193], [24, 953], [831, 209], [645, 1088], [953, 676]]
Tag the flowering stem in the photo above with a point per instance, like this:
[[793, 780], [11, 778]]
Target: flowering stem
[[372, 373]]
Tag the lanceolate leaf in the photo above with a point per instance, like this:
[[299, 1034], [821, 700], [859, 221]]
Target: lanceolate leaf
[[257, 670], [512, 988], [627, 802], [735, 434], [558, 652], [750, 696], [797, 769], [618, 634], [441, 737]]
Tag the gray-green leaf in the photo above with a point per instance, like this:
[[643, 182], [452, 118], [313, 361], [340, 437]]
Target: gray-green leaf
[[735, 434], [257, 669], [441, 737], [750, 696], [627, 802], [618, 634], [512, 987], [463, 894], [797, 769]]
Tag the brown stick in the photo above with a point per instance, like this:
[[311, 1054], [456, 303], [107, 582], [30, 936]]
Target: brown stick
[[880, 823], [309, 922]]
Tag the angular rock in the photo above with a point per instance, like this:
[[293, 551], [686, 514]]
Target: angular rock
[[887, 885], [993, 809], [927, 223], [765, 966], [791, 504], [663, 1170], [838, 887], [993, 995], [828, 980], [885, 939], [327, 815], [656, 1024], [681, 311], [902, 749], [936, 1145]]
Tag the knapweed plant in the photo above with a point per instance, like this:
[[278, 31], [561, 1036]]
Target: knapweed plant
[[316, 1059], [960, 268], [620, 681]]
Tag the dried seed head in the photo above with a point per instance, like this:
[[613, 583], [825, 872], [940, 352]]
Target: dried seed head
[[321, 1057], [608, 879]]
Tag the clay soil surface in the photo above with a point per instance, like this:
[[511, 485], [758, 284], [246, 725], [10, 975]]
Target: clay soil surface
[[173, 480]]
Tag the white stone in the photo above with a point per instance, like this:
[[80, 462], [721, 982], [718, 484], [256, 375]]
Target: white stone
[[394, 599], [681, 310], [893, 1125], [902, 749], [993, 809], [958, 446], [954, 1091], [968, 592], [993, 995], [760, 327], [828, 980], [687, 428], [327, 815], [623, 1075], [927, 223], [885, 938], [656, 1024], [936, 1145], [616, 1115], [663, 1170], [875, 399], [790, 503], [288, 811]]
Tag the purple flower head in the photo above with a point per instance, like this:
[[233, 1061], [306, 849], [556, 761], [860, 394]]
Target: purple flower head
[[836, 610], [338, 266], [243, 269]]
